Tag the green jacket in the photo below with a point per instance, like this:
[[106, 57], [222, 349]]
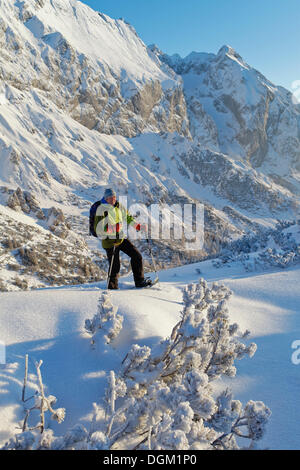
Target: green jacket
[[109, 223]]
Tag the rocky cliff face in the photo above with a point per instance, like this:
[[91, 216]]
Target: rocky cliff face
[[234, 109], [94, 68]]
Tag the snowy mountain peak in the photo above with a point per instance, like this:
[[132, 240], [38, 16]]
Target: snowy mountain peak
[[228, 51]]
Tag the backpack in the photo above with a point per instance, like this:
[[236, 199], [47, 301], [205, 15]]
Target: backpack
[[93, 211]]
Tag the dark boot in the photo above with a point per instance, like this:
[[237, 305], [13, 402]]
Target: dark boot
[[144, 283], [113, 285]]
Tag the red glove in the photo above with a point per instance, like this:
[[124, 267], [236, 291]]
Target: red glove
[[139, 227]]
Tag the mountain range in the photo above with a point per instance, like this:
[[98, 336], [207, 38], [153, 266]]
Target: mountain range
[[85, 104]]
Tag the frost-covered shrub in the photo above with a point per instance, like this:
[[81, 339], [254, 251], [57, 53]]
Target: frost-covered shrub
[[36, 436], [75, 439], [281, 259], [106, 323], [162, 397], [270, 248]]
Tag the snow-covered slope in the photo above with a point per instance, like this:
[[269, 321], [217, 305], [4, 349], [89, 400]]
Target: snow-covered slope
[[49, 325], [32, 256], [95, 68]]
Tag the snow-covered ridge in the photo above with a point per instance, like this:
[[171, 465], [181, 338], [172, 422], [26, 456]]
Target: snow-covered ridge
[[234, 109], [104, 40], [94, 67]]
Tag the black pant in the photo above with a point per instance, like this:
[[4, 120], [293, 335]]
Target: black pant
[[136, 263]]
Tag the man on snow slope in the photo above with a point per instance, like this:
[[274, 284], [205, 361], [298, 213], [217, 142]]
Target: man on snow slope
[[109, 220]]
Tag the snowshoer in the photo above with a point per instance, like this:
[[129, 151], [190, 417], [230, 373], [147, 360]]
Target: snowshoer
[[109, 219]]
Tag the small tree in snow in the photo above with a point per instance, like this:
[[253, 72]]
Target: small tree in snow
[[268, 248], [164, 394], [106, 323], [32, 437], [162, 398]]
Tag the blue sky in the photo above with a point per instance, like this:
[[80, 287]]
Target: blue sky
[[266, 33]]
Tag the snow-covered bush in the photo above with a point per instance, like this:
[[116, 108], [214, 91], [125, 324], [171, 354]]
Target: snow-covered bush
[[169, 402], [35, 436], [163, 397], [106, 323], [277, 247], [278, 258]]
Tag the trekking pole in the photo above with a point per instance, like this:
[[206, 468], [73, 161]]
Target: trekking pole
[[110, 267], [154, 265]]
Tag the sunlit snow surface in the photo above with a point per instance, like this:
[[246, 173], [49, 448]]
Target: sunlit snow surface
[[49, 324]]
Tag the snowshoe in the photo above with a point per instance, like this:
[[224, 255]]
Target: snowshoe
[[147, 282]]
